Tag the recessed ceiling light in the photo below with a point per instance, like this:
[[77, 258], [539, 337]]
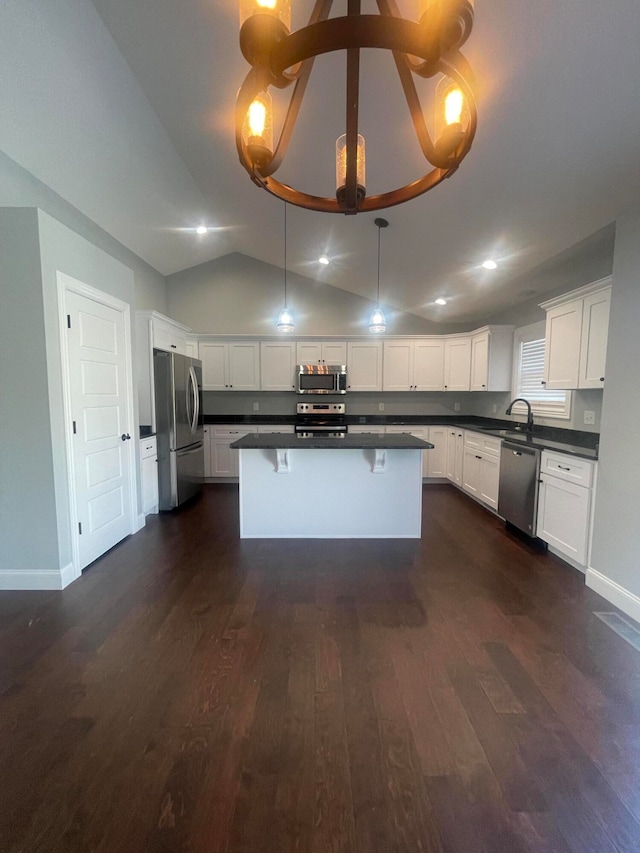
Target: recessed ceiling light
[[489, 264], [201, 229], [323, 260], [441, 301]]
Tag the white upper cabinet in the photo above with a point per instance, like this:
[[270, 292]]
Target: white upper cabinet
[[593, 343], [457, 363], [397, 373], [230, 366], [154, 330], [277, 365], [577, 326], [364, 366], [321, 352], [562, 346], [413, 365], [168, 335], [491, 359], [428, 365]]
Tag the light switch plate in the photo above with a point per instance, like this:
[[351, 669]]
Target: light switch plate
[[256, 407], [456, 407], [381, 407], [589, 417]]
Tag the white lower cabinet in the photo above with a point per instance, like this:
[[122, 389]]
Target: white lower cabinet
[[565, 501], [455, 454], [149, 474], [434, 461], [219, 459], [481, 467]]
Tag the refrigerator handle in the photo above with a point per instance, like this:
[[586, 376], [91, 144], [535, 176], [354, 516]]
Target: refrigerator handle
[[193, 382], [188, 401]]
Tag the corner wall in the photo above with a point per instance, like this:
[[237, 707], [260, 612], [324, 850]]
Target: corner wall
[[615, 561]]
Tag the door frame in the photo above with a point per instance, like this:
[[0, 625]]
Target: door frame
[[67, 284]]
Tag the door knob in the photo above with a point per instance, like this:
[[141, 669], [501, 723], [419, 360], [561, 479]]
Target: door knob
[[125, 436]]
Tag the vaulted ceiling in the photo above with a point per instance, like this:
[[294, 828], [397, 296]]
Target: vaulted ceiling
[[135, 106]]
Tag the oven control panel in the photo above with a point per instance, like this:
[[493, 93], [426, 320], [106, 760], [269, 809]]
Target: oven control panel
[[321, 408]]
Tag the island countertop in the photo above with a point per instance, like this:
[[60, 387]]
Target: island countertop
[[290, 441]]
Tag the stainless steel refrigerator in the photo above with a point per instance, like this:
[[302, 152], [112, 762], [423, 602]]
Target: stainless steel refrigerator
[[179, 427]]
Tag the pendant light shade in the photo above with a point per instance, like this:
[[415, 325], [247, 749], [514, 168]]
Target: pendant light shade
[[285, 318], [377, 323]]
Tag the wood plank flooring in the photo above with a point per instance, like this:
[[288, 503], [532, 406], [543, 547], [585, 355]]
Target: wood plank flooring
[[194, 692]]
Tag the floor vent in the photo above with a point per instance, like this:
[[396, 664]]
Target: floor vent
[[623, 628]]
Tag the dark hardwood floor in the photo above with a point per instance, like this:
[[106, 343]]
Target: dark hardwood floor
[[194, 692]]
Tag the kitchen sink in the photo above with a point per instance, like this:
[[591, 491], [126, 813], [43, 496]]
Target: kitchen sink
[[509, 433]]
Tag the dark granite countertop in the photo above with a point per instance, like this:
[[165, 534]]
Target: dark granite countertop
[[264, 441], [574, 442]]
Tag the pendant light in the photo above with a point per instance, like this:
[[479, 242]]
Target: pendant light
[[377, 323], [285, 320]]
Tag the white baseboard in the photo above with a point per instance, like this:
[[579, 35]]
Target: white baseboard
[[140, 523], [566, 559], [45, 579], [627, 601]]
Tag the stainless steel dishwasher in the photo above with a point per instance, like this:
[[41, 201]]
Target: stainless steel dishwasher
[[518, 495]]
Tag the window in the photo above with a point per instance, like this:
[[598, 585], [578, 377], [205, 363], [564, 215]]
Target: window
[[528, 373]]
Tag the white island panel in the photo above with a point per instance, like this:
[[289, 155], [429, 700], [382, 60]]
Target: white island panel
[[331, 494]]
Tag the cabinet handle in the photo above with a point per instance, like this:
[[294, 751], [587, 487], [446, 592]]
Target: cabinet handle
[[602, 379], [173, 346], [478, 457], [445, 386], [563, 468], [543, 382], [484, 386]]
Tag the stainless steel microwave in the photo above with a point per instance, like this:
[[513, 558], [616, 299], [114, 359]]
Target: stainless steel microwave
[[322, 379]]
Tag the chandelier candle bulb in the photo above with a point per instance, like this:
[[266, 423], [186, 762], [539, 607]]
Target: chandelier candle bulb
[[341, 167], [257, 129]]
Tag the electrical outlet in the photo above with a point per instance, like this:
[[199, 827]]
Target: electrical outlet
[[494, 408], [381, 407], [256, 407], [456, 407], [589, 417]]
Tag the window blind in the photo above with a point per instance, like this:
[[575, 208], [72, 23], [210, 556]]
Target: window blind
[[530, 385]]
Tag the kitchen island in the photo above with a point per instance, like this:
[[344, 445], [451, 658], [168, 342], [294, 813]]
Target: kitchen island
[[353, 487]]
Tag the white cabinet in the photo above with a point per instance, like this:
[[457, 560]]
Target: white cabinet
[[277, 365], [577, 325], [191, 347], [481, 467], [455, 454], [219, 459], [276, 429], [321, 352], [149, 474], [413, 365], [230, 366], [565, 501], [562, 346], [491, 359], [153, 330], [593, 340], [364, 366], [367, 429], [434, 461], [457, 363]]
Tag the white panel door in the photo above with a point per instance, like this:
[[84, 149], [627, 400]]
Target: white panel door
[[593, 342], [277, 365], [244, 366], [428, 365], [397, 370], [437, 458], [562, 346], [364, 366], [101, 442], [457, 364]]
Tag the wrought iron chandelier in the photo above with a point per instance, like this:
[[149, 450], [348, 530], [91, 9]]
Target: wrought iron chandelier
[[427, 48]]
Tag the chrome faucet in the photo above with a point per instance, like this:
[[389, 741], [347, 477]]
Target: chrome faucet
[[529, 412]]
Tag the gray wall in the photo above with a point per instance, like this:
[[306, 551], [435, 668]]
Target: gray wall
[[238, 295], [18, 188], [65, 251], [616, 535], [28, 530]]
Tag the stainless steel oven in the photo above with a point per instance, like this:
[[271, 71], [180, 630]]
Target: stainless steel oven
[[322, 379], [321, 420]]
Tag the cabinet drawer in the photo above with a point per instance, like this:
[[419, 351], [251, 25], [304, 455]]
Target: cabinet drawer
[[488, 444], [148, 447], [367, 430], [276, 429], [569, 468], [232, 433]]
